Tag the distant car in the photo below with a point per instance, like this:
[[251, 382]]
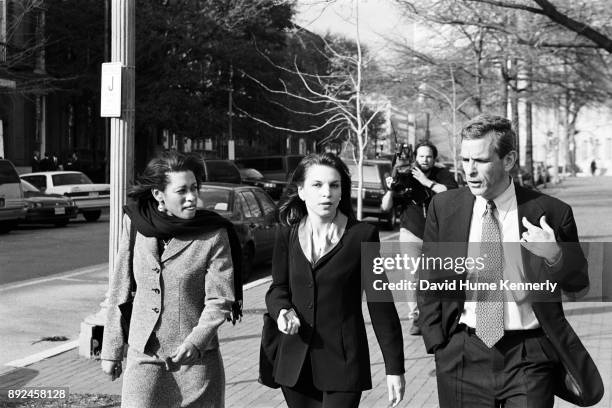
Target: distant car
[[12, 204], [459, 177], [374, 187], [47, 208], [276, 167], [254, 178], [253, 213], [222, 171], [90, 198]]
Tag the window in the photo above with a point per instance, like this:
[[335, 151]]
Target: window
[[40, 182], [266, 203], [608, 151], [214, 199], [66, 179], [370, 174], [8, 173], [251, 202]]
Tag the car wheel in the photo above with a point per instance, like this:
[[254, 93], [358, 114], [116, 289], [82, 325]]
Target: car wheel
[[61, 223], [248, 256], [92, 216], [6, 226]]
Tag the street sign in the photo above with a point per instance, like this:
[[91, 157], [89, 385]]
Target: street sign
[[110, 104]]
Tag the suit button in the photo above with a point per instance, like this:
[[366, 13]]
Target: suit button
[[310, 305], [156, 290], [156, 269], [156, 310], [309, 284]]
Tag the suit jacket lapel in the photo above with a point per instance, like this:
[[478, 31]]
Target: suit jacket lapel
[[175, 246], [459, 219]]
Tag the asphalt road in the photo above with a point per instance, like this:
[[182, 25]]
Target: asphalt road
[[34, 251]]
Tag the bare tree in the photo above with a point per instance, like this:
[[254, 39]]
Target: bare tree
[[338, 95]]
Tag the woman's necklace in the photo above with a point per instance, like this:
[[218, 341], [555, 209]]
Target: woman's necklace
[[166, 243]]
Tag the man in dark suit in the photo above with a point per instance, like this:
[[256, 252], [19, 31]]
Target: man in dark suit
[[493, 351]]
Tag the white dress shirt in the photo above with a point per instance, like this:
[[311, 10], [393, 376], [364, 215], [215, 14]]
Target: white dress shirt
[[517, 316]]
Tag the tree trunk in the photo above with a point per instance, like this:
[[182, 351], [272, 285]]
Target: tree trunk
[[529, 122], [514, 103]]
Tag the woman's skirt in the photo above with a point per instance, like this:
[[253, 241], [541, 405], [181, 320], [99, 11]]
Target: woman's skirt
[[147, 383]]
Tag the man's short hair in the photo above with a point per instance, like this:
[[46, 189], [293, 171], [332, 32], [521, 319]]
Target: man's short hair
[[498, 127], [426, 143]]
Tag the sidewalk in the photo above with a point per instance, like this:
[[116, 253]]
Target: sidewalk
[[240, 343]]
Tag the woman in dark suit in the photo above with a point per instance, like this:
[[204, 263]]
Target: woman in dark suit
[[183, 268], [315, 296]]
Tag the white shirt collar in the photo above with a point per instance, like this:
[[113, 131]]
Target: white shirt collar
[[503, 202]]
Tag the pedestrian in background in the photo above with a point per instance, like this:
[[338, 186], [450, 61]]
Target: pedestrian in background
[[593, 167], [35, 161], [315, 295], [414, 184], [182, 267]]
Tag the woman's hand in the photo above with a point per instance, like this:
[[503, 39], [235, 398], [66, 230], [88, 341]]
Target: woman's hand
[[288, 322], [112, 369], [185, 354], [395, 386]]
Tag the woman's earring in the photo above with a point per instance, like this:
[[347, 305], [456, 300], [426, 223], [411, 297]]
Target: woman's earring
[[161, 207]]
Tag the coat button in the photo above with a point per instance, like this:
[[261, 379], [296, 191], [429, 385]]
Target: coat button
[[156, 310], [310, 305], [156, 290], [309, 284], [156, 269]]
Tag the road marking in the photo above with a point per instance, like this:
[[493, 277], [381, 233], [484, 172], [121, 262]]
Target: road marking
[[57, 276], [390, 236], [35, 358], [256, 283]]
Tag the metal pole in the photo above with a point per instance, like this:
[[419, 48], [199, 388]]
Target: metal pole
[[123, 18]]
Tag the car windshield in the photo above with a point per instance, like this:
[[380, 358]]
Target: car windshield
[[215, 199], [370, 174], [28, 187], [65, 179]]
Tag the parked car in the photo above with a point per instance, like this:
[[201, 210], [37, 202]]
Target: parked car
[[254, 178], [460, 176], [90, 198], [253, 213], [374, 187], [47, 208], [12, 204], [223, 171], [276, 167]]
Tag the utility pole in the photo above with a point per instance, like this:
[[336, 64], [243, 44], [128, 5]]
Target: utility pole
[[123, 18]]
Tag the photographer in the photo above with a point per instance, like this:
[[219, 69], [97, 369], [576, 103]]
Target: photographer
[[413, 185]]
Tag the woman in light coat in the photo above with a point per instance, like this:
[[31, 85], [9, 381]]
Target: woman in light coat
[[182, 266]]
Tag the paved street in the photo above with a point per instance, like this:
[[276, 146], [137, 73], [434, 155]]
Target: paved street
[[34, 251], [591, 199]]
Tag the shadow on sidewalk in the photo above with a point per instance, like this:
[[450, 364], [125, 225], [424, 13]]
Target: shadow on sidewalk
[[17, 378]]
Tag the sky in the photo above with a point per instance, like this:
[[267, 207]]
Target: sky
[[379, 20]]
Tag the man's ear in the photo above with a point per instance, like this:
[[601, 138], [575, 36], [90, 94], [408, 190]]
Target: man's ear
[[510, 160]]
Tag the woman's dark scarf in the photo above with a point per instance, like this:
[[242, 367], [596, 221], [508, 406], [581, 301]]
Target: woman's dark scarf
[[152, 223]]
